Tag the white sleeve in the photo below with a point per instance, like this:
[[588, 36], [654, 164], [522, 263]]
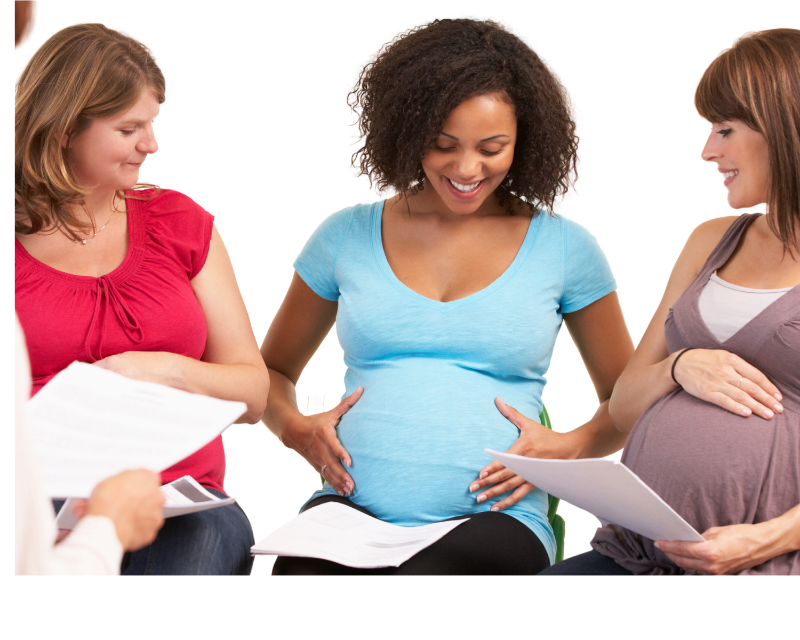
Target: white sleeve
[[92, 547]]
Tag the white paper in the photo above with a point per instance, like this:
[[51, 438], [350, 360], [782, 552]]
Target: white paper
[[186, 495], [341, 534], [182, 496], [89, 423], [606, 488]]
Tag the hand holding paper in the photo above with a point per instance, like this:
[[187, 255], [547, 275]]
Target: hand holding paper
[[607, 489], [177, 498]]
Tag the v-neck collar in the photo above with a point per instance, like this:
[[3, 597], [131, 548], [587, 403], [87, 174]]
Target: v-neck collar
[[376, 215], [751, 332]]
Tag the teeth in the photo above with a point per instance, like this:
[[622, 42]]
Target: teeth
[[730, 174], [464, 188]]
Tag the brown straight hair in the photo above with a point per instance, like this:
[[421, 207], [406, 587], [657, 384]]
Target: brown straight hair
[[82, 73], [757, 81], [23, 12]]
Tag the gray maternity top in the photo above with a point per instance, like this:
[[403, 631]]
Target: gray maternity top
[[714, 467]]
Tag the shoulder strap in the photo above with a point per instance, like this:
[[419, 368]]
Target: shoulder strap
[[726, 245]]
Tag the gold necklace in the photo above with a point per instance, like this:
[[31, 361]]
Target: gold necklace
[[91, 237], [83, 240]]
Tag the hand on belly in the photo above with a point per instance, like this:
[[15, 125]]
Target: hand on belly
[[535, 441]]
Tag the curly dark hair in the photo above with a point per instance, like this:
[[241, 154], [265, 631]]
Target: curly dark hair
[[403, 97]]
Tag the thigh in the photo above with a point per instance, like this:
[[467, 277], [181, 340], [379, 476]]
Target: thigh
[[213, 542], [488, 543], [293, 566], [591, 563]]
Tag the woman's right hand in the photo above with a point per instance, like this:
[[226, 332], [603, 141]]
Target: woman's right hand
[[724, 379], [314, 437]]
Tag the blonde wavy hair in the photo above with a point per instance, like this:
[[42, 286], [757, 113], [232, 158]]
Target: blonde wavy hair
[[757, 81], [82, 73]]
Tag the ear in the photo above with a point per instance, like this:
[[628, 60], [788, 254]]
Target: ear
[[65, 138]]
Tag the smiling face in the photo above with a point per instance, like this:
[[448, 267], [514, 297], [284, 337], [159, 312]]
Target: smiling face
[[473, 153], [106, 156], [743, 159]]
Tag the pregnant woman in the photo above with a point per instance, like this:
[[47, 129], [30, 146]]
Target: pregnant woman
[[714, 386], [448, 297], [133, 280]]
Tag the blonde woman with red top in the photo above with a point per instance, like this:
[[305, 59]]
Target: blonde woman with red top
[[133, 280]]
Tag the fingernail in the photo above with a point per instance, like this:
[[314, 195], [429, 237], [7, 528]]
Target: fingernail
[[495, 508], [341, 494], [778, 408], [746, 411], [482, 497], [768, 414], [474, 487], [778, 397], [484, 475], [657, 546]]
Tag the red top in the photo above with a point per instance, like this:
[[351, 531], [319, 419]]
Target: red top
[[145, 304]]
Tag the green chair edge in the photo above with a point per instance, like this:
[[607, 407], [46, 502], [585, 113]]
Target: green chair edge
[[555, 520]]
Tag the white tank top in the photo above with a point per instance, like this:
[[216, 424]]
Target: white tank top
[[726, 307]]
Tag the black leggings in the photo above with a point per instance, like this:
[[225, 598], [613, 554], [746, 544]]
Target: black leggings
[[490, 543]]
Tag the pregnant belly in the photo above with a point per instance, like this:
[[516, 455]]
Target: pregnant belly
[[712, 466], [415, 457]]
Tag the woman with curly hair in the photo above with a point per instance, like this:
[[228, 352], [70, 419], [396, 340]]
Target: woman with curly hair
[[712, 395], [134, 280], [447, 297]]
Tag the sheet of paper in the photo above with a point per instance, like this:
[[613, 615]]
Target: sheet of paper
[[89, 423], [336, 532], [184, 495], [606, 488]]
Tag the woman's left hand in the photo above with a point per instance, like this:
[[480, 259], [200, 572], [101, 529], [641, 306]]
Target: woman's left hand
[[535, 441], [726, 550], [151, 366]]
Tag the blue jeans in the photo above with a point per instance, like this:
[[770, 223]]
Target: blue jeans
[[591, 563], [214, 542], [207, 543]]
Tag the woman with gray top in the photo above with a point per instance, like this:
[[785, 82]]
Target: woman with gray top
[[712, 395]]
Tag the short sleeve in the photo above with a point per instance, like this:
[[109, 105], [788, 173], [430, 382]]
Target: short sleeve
[[587, 274], [316, 264], [176, 226], [200, 253]]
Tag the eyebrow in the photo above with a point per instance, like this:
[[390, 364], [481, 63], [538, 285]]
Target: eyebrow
[[489, 139], [129, 122]]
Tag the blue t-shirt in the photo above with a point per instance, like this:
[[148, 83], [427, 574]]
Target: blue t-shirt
[[431, 370]]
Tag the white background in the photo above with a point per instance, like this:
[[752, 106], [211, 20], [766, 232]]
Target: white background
[[257, 130]]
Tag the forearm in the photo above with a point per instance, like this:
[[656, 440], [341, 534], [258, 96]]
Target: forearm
[[638, 388], [282, 405], [733, 548], [597, 438], [777, 536], [248, 383]]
